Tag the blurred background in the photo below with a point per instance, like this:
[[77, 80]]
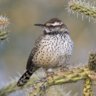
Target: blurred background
[[23, 14]]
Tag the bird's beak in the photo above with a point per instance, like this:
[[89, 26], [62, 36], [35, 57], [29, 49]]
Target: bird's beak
[[41, 25]]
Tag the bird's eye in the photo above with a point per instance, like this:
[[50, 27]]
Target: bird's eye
[[66, 32]]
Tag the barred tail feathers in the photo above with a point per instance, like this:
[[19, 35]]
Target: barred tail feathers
[[24, 78]]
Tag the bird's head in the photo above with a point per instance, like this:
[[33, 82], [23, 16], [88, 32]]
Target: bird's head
[[54, 25]]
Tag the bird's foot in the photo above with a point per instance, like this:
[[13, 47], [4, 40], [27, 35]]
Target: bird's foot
[[50, 73], [63, 69], [43, 86]]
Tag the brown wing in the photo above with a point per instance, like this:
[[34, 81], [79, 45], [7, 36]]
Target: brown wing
[[30, 63]]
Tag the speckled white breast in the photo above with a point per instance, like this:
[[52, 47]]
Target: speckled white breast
[[53, 51]]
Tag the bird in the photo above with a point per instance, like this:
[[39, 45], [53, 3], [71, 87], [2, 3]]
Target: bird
[[52, 49]]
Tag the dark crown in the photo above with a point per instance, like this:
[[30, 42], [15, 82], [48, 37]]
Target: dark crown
[[54, 22]]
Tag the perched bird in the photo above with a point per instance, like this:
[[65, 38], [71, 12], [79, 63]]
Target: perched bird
[[52, 49]]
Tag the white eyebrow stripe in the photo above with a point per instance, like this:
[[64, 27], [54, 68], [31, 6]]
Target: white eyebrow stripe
[[55, 24]]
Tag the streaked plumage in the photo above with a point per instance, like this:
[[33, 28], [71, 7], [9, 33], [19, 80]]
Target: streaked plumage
[[52, 49]]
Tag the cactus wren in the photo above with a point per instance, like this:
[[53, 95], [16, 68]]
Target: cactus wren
[[52, 49]]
